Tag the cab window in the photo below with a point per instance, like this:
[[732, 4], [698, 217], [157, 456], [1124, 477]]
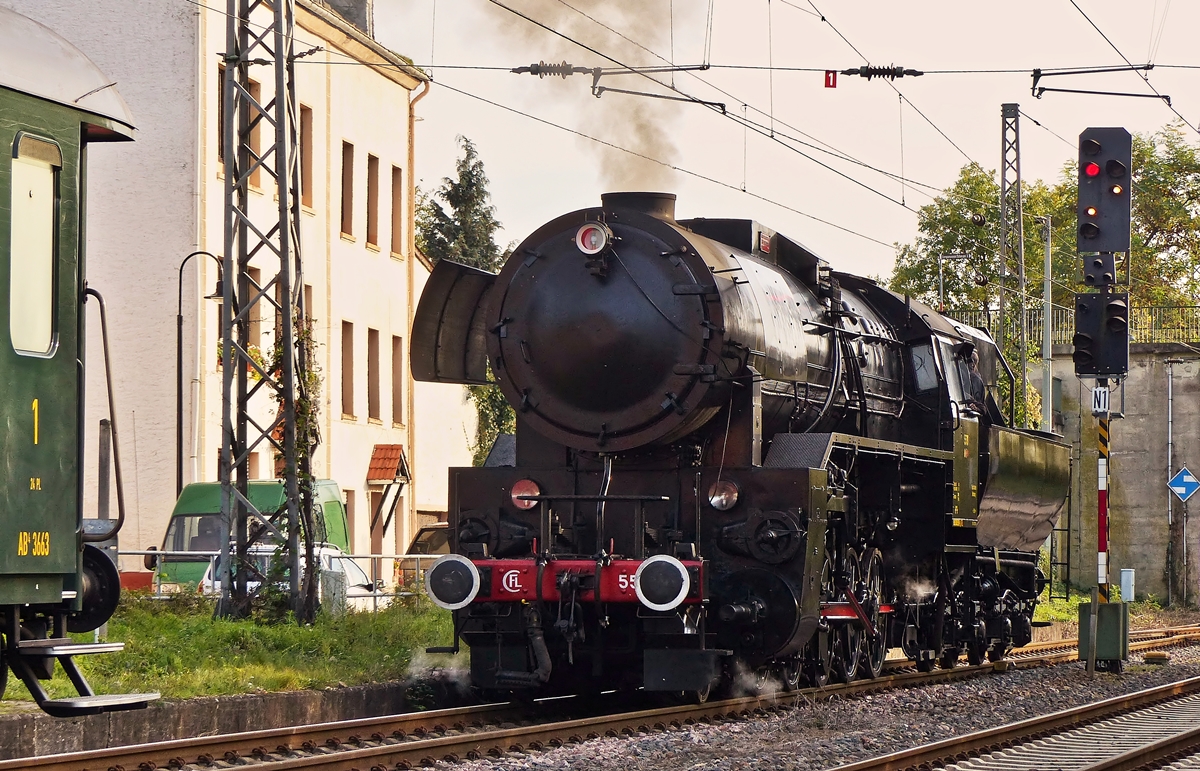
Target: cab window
[[193, 532], [35, 167], [431, 540], [924, 367]]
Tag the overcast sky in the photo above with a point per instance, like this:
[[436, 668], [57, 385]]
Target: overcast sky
[[538, 171]]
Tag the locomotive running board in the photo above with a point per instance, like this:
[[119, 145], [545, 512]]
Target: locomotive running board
[[29, 658]]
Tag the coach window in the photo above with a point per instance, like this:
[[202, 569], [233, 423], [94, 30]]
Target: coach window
[[35, 166]]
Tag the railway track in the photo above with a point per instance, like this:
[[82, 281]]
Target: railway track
[[416, 739], [1136, 731]]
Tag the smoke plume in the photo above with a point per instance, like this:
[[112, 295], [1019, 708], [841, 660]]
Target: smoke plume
[[638, 123]]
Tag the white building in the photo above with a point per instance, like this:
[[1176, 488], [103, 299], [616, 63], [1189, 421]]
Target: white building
[[162, 197]]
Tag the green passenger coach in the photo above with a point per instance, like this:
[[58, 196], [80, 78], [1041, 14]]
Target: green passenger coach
[[54, 103]]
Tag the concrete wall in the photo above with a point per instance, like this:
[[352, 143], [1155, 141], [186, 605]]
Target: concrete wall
[[34, 733], [1140, 537]]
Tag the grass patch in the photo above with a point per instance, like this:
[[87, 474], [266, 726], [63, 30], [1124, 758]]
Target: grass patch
[[176, 647]]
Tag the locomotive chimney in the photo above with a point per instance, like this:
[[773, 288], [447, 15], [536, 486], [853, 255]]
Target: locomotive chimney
[[660, 205]]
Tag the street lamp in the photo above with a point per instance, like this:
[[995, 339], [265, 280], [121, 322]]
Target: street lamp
[[217, 293], [941, 288]]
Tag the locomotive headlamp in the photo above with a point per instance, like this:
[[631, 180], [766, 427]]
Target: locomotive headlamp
[[593, 238], [452, 582], [523, 488], [661, 582], [722, 495]]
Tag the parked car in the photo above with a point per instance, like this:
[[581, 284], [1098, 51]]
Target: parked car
[[430, 539], [338, 572], [195, 525]]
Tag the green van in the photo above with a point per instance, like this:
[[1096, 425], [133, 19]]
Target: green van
[[195, 524]]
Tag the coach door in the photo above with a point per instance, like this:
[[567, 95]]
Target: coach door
[[38, 373]]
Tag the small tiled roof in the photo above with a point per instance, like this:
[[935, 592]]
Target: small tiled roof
[[388, 464]]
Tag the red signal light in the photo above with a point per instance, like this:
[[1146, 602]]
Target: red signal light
[[1092, 169]]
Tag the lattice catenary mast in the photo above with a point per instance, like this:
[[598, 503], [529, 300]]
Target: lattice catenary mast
[[270, 239], [1012, 231]]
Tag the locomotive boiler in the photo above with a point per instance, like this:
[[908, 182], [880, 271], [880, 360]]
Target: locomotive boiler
[[728, 457]]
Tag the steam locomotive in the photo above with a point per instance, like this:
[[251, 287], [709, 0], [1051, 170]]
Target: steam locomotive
[[728, 458]]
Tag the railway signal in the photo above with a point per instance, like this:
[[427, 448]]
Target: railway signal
[[1105, 158], [1101, 337], [1101, 334]]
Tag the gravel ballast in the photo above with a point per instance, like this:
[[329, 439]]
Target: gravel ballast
[[819, 735]]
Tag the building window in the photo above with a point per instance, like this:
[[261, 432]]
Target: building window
[[308, 303], [347, 188], [373, 374], [372, 200], [350, 519], [35, 166], [347, 370], [397, 380], [306, 156], [378, 519], [255, 283], [397, 211], [221, 113], [256, 121]]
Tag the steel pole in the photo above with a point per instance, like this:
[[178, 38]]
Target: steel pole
[[941, 288], [1170, 468], [1102, 499], [179, 371], [1047, 338]]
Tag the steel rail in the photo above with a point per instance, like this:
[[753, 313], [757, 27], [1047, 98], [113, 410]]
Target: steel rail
[[465, 732], [960, 748]]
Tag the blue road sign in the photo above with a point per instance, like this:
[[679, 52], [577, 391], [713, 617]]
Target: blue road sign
[[1184, 484]]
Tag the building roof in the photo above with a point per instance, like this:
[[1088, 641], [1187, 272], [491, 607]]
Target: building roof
[[388, 465], [36, 60], [359, 44]]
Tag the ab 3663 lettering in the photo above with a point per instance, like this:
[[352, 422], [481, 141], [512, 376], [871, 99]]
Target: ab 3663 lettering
[[33, 544]]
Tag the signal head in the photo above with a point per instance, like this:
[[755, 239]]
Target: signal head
[[1116, 315]]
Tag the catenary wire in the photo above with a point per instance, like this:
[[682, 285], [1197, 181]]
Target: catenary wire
[[1145, 78], [757, 127], [601, 141], [833, 151], [916, 109], [984, 250], [663, 163]]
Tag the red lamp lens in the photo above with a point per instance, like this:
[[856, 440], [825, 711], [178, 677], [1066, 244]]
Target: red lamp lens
[[1092, 169], [524, 487]]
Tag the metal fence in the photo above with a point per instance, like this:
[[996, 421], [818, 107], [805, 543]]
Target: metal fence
[[391, 576], [1152, 324]]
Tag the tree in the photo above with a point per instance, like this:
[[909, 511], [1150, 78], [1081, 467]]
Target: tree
[[466, 234], [1165, 232], [1165, 240]]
